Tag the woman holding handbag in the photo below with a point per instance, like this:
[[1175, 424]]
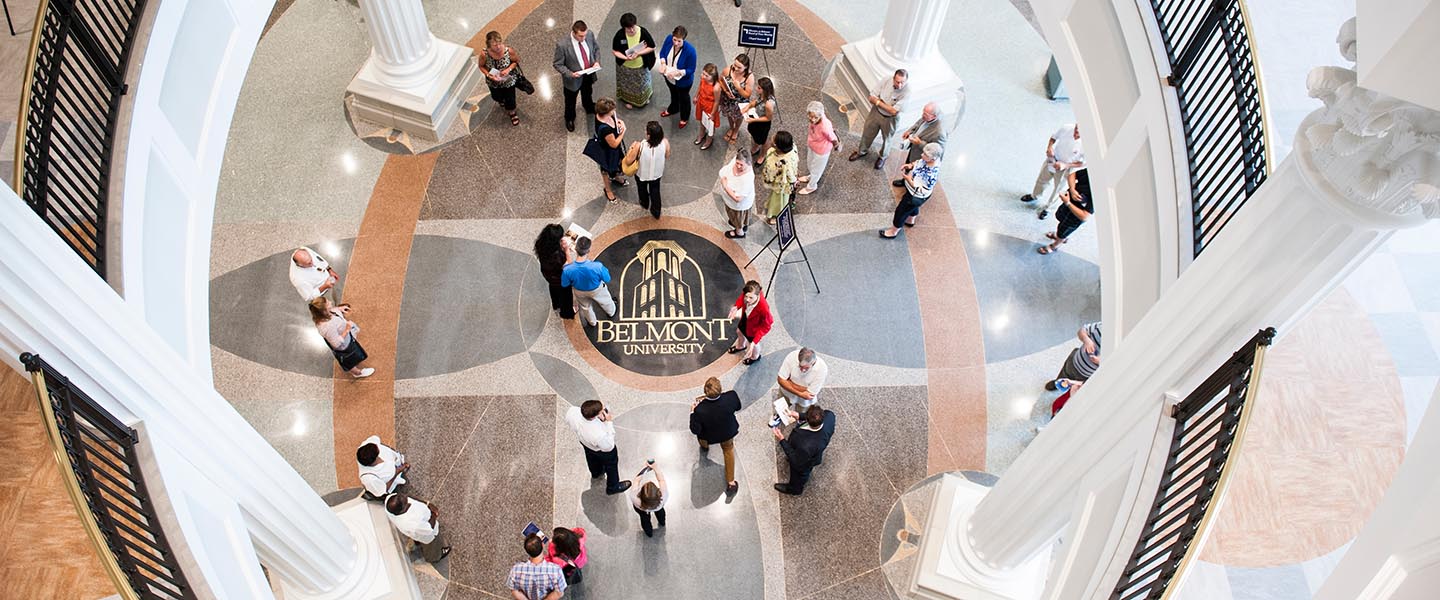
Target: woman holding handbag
[[604, 146], [339, 333], [648, 160], [501, 65], [752, 321], [567, 549]]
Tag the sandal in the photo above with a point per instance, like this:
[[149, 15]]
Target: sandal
[[514, 120], [1051, 235], [611, 198], [706, 145], [909, 223], [665, 113], [750, 361], [1046, 250], [734, 236], [734, 350]]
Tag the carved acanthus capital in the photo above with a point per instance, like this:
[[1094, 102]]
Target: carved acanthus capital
[[1379, 152]]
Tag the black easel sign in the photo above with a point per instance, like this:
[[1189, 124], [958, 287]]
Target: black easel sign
[[785, 226], [759, 35]]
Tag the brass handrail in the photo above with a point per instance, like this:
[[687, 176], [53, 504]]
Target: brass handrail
[[24, 115], [1259, 86], [1223, 485], [77, 495]]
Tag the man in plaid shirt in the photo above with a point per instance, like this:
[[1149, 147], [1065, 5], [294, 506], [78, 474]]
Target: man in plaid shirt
[[537, 578]]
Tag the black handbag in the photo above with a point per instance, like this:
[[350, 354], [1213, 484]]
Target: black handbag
[[594, 151], [572, 574], [352, 355], [522, 83]]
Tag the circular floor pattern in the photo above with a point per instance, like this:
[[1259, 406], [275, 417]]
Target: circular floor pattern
[[673, 291]]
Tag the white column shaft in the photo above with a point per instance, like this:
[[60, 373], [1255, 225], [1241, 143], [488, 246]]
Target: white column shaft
[[404, 49], [51, 304], [1292, 243], [912, 28]]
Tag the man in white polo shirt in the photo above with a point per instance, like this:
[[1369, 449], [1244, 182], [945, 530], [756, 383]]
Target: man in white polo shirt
[[1063, 153], [592, 424], [311, 274], [417, 521], [382, 469], [801, 376]]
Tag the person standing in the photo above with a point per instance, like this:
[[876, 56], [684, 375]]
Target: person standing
[[752, 321], [822, 141], [649, 497], [805, 448], [677, 66], [605, 148], [588, 279], [652, 154], [567, 550], [1083, 361], [537, 578], [920, 178], [712, 420], [501, 65], [552, 249], [1076, 206], [592, 424], [634, 52], [576, 53], [801, 378], [781, 166], [311, 274], [706, 107], [737, 83], [760, 115], [420, 522], [738, 183], [884, 113], [927, 130], [339, 333], [382, 469], [1063, 153]]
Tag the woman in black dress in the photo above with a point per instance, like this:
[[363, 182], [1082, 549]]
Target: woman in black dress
[[610, 130], [552, 249], [1076, 207]]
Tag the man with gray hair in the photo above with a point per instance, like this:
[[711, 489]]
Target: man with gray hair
[[927, 130], [884, 114], [311, 274], [801, 376], [920, 178]]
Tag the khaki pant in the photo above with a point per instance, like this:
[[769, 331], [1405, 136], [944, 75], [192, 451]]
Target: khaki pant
[[585, 301], [434, 550], [739, 219], [728, 447], [1055, 181], [877, 124]]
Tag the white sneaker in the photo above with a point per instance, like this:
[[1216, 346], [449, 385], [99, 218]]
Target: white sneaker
[[365, 372]]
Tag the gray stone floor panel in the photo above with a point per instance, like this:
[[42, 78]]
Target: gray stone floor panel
[[568, 381], [1028, 301], [419, 423]]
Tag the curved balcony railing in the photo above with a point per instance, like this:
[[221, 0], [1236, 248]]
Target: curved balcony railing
[[69, 111], [1222, 107]]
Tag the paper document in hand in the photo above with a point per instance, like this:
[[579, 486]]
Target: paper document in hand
[[577, 232], [782, 410], [592, 69]]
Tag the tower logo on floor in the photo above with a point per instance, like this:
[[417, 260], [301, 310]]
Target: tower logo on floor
[[673, 291]]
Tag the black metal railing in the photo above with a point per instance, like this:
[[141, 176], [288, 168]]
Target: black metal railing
[[78, 60], [1213, 70], [108, 488], [1208, 424]]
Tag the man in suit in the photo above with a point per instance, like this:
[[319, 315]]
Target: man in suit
[[805, 449], [927, 130], [577, 52]]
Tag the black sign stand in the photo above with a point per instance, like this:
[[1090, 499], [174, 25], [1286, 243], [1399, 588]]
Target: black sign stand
[[784, 234]]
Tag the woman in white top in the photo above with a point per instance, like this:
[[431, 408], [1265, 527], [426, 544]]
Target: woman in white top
[[339, 333], [738, 181], [651, 154], [648, 497]]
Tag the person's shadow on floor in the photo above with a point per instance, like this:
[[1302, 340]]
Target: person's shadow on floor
[[604, 511]]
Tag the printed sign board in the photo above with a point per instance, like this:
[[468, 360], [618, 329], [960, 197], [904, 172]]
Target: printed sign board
[[758, 35]]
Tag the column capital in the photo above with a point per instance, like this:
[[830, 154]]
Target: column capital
[[1378, 155]]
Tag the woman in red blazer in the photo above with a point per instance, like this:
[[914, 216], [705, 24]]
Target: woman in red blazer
[[753, 321]]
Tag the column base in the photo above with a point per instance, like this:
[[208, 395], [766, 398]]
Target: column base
[[864, 64], [424, 110], [382, 567], [947, 569]]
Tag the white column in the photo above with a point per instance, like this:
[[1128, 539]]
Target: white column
[[1362, 167], [52, 305], [405, 52], [912, 30]]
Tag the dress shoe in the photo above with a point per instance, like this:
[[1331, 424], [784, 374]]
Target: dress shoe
[[898, 183], [732, 487], [855, 155], [569, 126], [624, 485], [784, 488], [1027, 198], [1042, 214], [880, 163]]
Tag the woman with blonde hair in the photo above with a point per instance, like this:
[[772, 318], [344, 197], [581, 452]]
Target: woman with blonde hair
[[339, 333], [501, 66], [822, 142]]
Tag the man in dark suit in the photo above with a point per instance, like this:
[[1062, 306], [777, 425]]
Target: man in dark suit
[[805, 448], [712, 420], [577, 52]]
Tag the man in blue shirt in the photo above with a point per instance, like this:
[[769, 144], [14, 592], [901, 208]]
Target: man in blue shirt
[[920, 178], [588, 278], [677, 66]]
